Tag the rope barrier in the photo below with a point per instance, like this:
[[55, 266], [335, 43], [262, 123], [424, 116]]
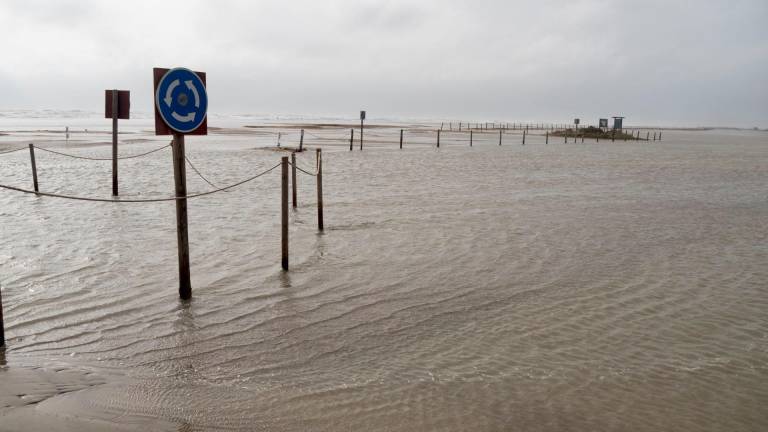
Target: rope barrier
[[77, 198], [100, 159], [302, 170], [191, 165], [11, 151]]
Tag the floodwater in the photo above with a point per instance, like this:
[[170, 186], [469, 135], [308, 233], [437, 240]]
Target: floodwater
[[596, 286]]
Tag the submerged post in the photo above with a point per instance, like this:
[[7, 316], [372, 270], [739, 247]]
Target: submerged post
[[499, 136], [546, 139], [524, 134], [470, 137], [284, 212], [401, 139], [319, 189], [114, 142], [659, 136], [565, 135], [34, 166], [654, 136], [301, 142], [182, 235], [293, 177], [351, 138], [647, 136], [2, 324], [438, 138]]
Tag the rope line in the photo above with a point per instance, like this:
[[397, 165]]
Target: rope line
[[11, 151], [77, 198], [302, 170], [100, 159], [191, 165]]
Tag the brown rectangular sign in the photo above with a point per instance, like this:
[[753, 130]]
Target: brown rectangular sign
[[160, 127], [123, 104]]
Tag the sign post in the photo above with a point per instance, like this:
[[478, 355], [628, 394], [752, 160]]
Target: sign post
[[362, 119], [181, 106], [117, 105]]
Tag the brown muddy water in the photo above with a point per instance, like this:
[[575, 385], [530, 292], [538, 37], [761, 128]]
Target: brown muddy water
[[596, 286]]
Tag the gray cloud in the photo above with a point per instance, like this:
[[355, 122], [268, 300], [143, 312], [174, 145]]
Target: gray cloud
[[663, 62]]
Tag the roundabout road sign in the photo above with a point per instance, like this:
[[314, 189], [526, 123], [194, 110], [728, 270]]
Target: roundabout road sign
[[181, 100]]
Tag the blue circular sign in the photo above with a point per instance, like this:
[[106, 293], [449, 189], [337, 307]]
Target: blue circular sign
[[182, 100]]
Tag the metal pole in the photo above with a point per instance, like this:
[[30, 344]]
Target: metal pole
[[114, 142], [182, 235], [361, 133]]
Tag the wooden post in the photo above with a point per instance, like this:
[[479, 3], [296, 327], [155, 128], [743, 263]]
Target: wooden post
[[647, 136], [2, 324], [319, 189], [114, 142], [470, 137], [351, 138], [182, 235], [293, 177], [284, 212], [438, 138], [546, 134], [654, 136], [566, 136], [34, 166], [401, 139], [524, 134], [301, 142], [582, 138], [499, 137], [659, 136], [361, 134]]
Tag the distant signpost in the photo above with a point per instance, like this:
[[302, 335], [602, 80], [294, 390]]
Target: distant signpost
[[117, 105], [181, 108]]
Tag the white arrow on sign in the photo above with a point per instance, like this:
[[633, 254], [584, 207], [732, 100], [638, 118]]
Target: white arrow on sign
[[193, 89], [168, 99], [184, 119]]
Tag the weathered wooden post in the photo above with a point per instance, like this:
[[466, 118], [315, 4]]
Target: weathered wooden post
[[647, 136], [362, 120], [499, 137], [401, 139], [351, 138], [284, 211], [654, 136], [2, 324], [34, 166], [565, 136], [546, 139], [470, 137], [301, 141], [659, 136], [438, 138], [294, 187], [524, 134], [114, 142], [180, 181], [319, 189]]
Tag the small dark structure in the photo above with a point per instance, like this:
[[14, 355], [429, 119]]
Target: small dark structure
[[618, 122], [603, 123]]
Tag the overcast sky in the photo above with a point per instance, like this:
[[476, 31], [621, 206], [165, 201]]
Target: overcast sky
[[657, 62]]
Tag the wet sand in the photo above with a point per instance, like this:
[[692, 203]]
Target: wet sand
[[597, 286]]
